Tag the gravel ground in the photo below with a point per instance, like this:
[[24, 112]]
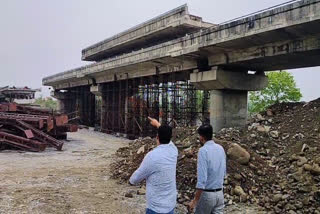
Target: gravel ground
[[75, 180]]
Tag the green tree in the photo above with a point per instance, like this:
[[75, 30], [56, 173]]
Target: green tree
[[48, 103], [281, 88]]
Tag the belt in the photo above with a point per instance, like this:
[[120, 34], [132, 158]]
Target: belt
[[212, 190]]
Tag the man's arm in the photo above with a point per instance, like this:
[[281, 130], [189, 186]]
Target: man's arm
[[142, 172], [154, 122], [202, 174]]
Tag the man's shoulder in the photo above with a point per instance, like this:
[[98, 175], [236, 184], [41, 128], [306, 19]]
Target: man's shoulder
[[173, 146], [202, 150], [219, 148], [150, 155]]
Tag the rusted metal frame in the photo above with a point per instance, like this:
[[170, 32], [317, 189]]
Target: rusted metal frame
[[92, 107], [13, 125], [194, 100], [103, 109], [205, 106], [113, 107], [136, 112], [108, 118], [120, 109], [8, 107], [126, 105], [42, 136], [120, 122], [36, 121], [173, 102], [34, 111], [132, 126], [22, 143], [66, 128], [123, 106], [165, 104]]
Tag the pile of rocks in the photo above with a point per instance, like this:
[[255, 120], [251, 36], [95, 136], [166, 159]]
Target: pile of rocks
[[240, 182], [273, 162]]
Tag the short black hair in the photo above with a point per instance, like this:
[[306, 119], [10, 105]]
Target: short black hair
[[206, 131], [164, 134]]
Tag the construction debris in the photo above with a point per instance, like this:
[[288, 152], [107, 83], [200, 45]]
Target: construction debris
[[277, 168], [31, 128]]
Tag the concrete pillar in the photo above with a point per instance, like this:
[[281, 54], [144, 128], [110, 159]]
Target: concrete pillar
[[66, 101], [228, 108], [228, 94]]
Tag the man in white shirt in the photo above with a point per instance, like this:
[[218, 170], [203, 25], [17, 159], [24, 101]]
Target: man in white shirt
[[158, 168]]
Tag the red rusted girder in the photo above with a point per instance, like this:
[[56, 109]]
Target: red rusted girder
[[27, 132], [42, 136], [38, 120], [66, 128], [22, 143], [8, 107], [32, 110], [61, 120]]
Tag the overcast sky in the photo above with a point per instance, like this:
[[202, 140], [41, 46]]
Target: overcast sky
[[45, 37]]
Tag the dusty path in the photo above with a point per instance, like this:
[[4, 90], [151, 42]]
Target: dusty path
[[75, 180]]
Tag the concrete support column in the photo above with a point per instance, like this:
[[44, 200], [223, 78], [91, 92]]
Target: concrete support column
[[228, 108], [66, 101], [228, 94]]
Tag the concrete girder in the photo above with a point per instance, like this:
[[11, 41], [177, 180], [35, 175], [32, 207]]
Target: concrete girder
[[218, 79], [267, 57]]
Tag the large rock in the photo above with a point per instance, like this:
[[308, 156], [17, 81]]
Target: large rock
[[141, 150], [239, 191], [315, 170], [263, 129], [302, 161], [239, 154]]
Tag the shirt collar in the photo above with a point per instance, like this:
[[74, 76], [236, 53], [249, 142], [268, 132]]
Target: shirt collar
[[209, 142], [164, 145]]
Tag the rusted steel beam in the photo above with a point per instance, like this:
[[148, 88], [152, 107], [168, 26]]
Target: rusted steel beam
[[22, 143], [8, 107], [27, 132], [66, 128], [61, 120], [34, 111], [39, 120], [42, 136]]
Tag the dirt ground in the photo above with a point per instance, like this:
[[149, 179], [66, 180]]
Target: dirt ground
[[75, 180]]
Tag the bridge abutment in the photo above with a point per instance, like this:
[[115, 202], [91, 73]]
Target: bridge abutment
[[228, 94]]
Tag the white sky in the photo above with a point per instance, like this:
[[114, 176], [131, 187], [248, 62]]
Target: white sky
[[43, 37]]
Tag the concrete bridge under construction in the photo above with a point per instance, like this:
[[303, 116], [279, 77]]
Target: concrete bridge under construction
[[182, 70]]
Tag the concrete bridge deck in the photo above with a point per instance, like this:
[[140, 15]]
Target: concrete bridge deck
[[282, 38], [171, 25]]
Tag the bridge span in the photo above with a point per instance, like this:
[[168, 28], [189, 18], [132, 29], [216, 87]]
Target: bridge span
[[182, 70]]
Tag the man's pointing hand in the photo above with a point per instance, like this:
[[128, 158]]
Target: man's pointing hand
[[154, 122]]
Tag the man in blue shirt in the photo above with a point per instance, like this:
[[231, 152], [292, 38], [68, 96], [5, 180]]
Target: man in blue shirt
[[158, 168], [211, 170]]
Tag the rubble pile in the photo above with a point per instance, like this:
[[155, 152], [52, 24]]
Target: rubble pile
[[273, 162], [287, 136], [32, 129], [186, 140]]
